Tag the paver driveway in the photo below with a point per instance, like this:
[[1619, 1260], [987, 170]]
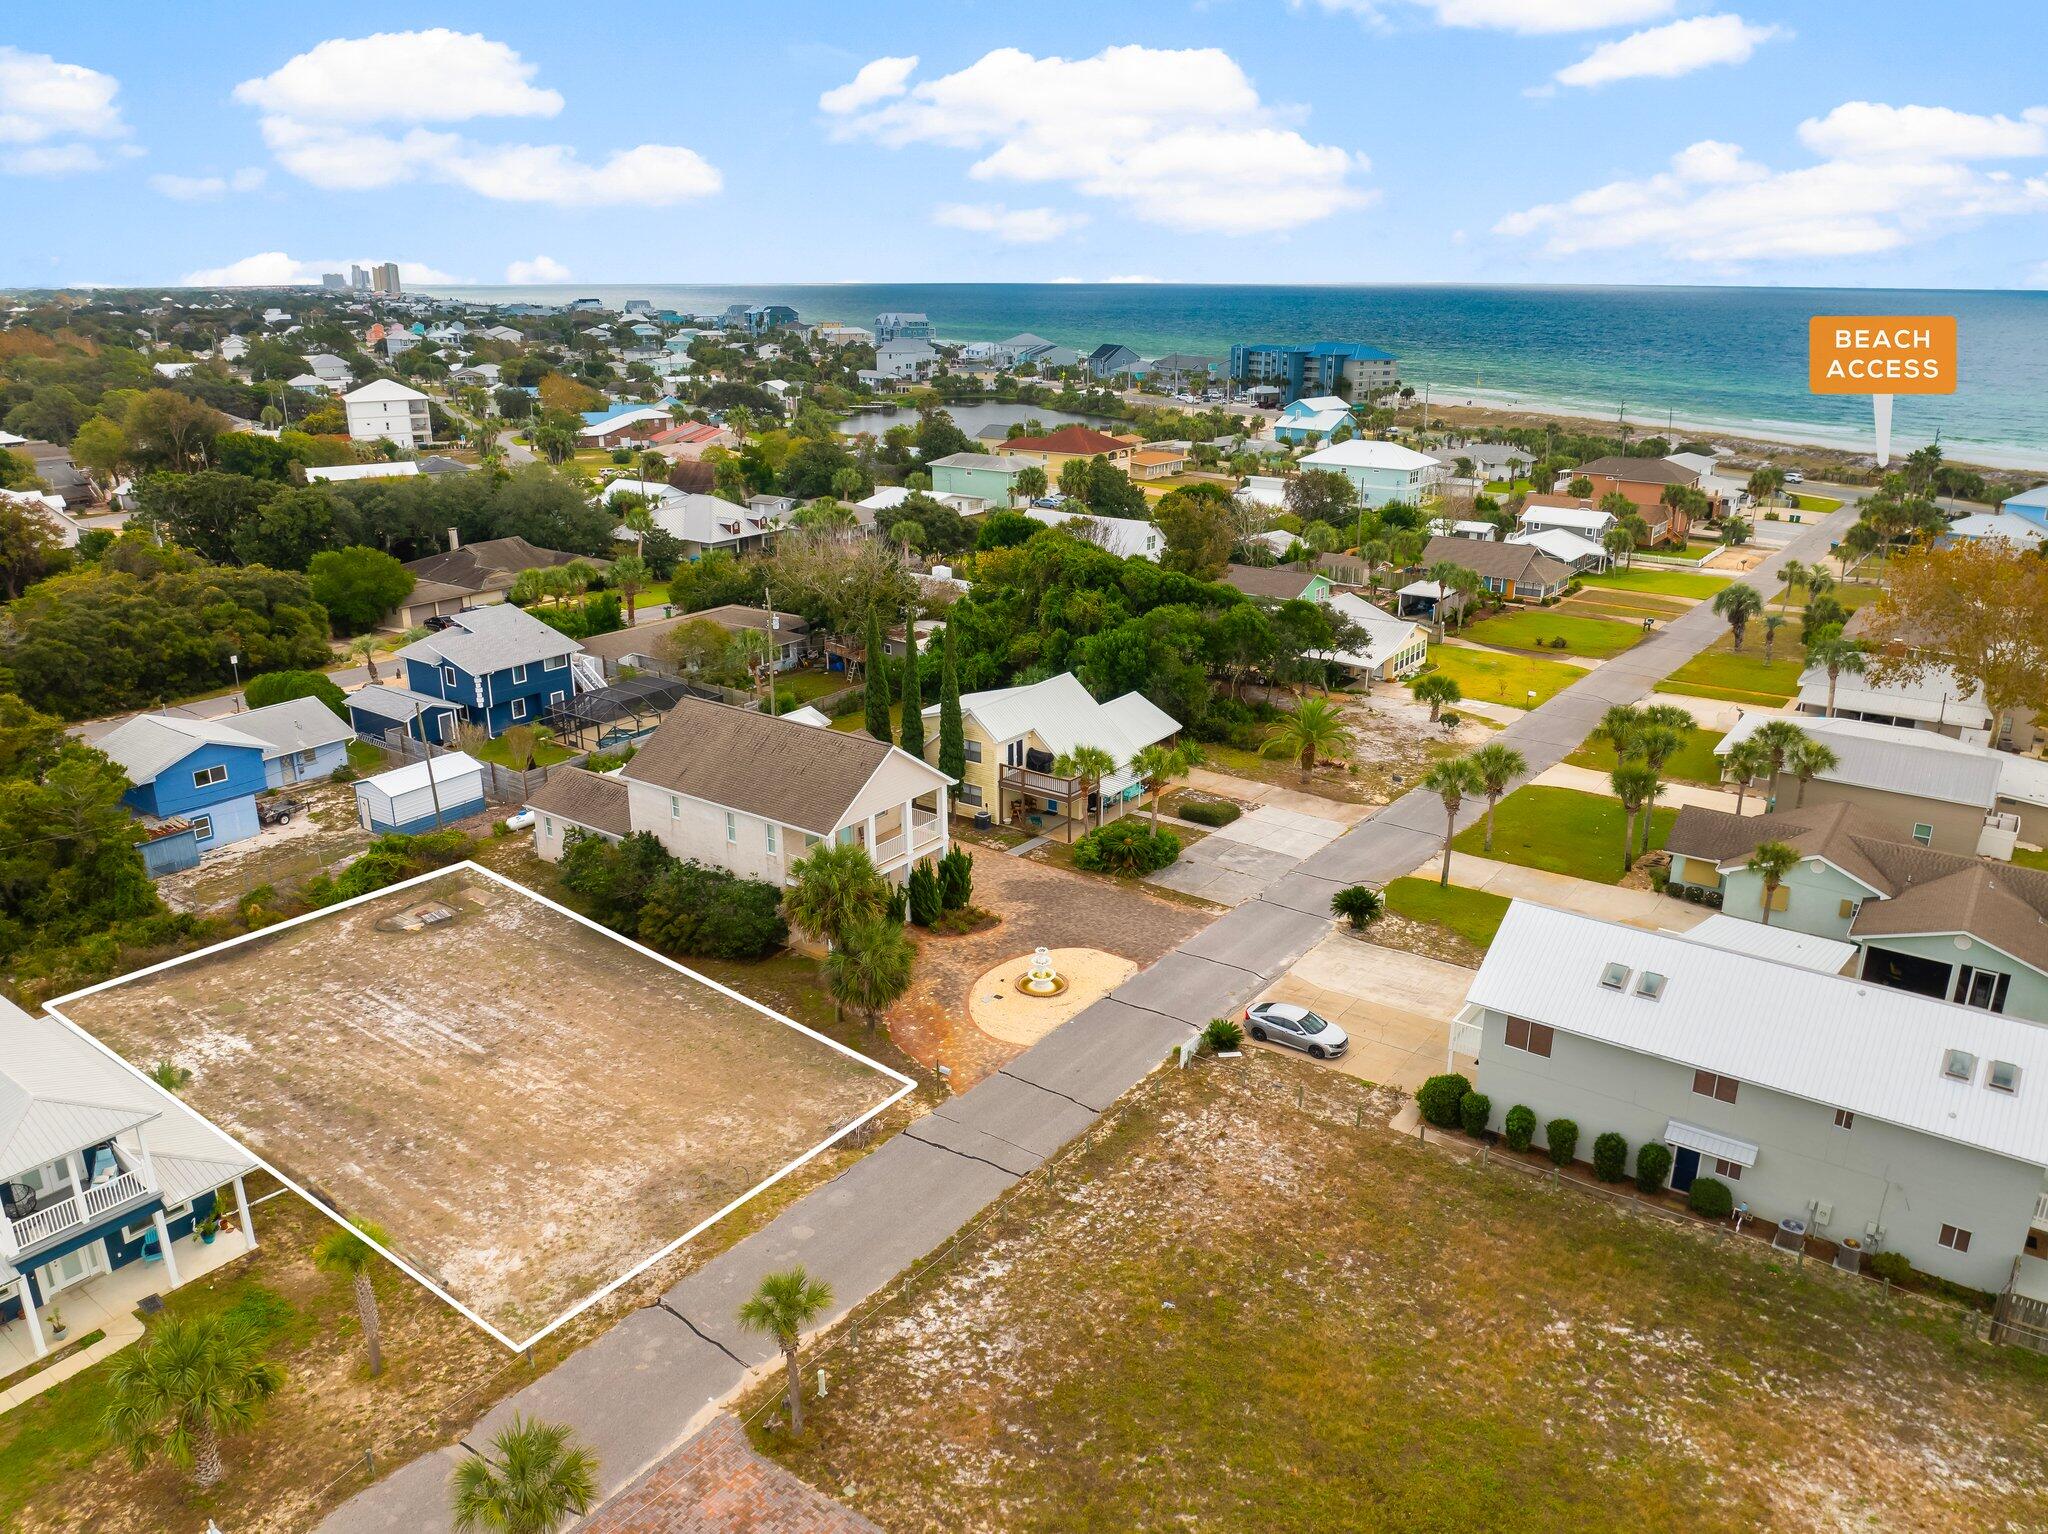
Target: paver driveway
[[1235, 863]]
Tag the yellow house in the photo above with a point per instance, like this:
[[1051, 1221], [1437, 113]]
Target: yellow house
[[1062, 447], [1015, 735]]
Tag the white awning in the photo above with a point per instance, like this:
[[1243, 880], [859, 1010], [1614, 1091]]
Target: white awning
[[1707, 1143]]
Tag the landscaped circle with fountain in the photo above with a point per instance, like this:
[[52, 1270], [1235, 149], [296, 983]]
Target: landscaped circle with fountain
[[1023, 999], [1041, 979]]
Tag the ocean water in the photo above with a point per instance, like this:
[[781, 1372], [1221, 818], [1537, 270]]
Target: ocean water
[[1733, 358]]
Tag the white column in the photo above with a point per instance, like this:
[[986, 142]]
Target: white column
[[945, 823], [35, 1322], [248, 1214], [163, 1240], [874, 852], [909, 805]]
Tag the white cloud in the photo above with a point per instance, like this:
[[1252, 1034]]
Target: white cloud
[[275, 269], [877, 81], [52, 111], [1013, 226], [349, 115], [1666, 52], [1909, 182], [1179, 137], [207, 188], [539, 269], [1870, 130], [1526, 16], [431, 76]]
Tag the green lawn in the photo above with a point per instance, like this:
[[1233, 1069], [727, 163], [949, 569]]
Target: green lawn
[[1694, 761], [1502, 487], [1490, 676], [545, 754], [793, 689], [1562, 831], [1739, 678], [1627, 606], [2027, 859], [365, 758], [1473, 915], [1820, 503], [1669, 583], [1534, 629]]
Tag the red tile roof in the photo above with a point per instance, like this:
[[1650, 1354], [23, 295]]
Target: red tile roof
[[1068, 439], [717, 1484]]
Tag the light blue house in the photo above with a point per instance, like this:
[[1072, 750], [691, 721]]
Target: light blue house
[[305, 739], [1319, 415], [2030, 505], [497, 666], [377, 711]]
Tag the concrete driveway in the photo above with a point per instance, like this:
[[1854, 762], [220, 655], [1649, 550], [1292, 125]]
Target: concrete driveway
[[1396, 1006], [1237, 862], [1609, 902]]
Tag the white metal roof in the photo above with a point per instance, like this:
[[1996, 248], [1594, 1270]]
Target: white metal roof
[[396, 702], [1834, 1041], [1939, 696], [1787, 945], [449, 767], [379, 390], [1385, 635], [2017, 531], [147, 744], [1582, 519], [1918, 763], [1560, 544], [1125, 537], [1708, 1143], [1064, 714], [398, 468], [482, 640], [1362, 454]]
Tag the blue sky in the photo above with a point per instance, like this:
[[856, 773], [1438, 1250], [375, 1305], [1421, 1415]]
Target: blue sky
[[1349, 141]]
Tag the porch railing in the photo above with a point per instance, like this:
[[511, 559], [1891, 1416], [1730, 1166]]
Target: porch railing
[[67, 1214]]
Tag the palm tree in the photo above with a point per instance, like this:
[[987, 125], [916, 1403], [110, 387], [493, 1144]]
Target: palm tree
[[1794, 575], [1498, 766], [1314, 731], [533, 1480], [831, 888], [1636, 786], [348, 1255], [1436, 689], [868, 969], [1836, 654], [629, 577], [784, 1305], [188, 1383], [1655, 746], [1747, 760], [1808, 762], [1617, 544], [1772, 861], [639, 521], [653, 467], [1159, 764], [364, 648], [1452, 780], [1738, 604], [1618, 727], [1089, 765], [1358, 904], [1772, 623], [1779, 739], [1444, 576]]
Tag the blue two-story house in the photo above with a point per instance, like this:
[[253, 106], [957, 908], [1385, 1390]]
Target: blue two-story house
[[107, 1186], [497, 666]]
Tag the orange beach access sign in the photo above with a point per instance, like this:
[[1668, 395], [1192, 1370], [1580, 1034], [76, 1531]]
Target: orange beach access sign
[[1881, 354]]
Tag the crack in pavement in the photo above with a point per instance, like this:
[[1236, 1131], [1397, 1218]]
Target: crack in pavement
[[965, 1155], [701, 1333]]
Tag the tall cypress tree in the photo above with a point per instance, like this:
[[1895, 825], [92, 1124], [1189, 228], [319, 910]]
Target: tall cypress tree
[[876, 687], [912, 691], [952, 730]]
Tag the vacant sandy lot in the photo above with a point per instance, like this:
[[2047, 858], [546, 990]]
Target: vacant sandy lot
[[529, 1107]]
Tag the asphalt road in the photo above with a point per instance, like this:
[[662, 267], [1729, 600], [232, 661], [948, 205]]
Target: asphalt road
[[633, 1393]]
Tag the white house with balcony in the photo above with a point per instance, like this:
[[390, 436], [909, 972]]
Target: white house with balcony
[[751, 793], [385, 410], [108, 1187]]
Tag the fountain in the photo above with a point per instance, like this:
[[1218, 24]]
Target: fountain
[[1041, 979]]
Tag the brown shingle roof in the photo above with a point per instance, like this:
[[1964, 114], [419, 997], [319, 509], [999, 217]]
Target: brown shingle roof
[[1068, 439], [1517, 562], [2006, 907], [491, 565], [583, 798], [1640, 471], [776, 768], [1283, 583], [716, 1484]]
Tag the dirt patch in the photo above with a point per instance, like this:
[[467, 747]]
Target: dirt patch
[[322, 838], [1392, 930], [528, 1106], [1038, 906]]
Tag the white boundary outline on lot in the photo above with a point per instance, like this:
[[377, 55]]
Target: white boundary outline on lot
[[905, 1086]]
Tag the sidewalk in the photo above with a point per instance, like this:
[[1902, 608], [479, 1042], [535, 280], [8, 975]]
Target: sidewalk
[[1590, 780]]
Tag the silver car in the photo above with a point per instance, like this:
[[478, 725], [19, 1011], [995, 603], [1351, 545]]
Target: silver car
[[1282, 1022]]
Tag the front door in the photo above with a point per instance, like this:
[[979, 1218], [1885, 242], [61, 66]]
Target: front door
[[1685, 1166], [73, 1267]]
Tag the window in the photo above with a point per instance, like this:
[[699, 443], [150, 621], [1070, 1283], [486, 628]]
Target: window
[[1955, 1238], [202, 828], [547, 825], [518, 673], [968, 793], [554, 663], [1982, 988], [1923, 833], [557, 696], [1728, 1170], [1959, 1065], [972, 750], [1844, 1119], [1847, 909], [307, 758], [771, 837], [206, 777], [1721, 1088], [448, 676], [518, 708], [675, 806], [1615, 977], [1534, 1037], [2002, 1076], [732, 826], [1650, 984]]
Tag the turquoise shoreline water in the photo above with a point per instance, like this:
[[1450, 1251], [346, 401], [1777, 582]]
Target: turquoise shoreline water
[[1733, 358]]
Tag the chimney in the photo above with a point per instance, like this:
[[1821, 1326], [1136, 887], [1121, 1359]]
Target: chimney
[[454, 540]]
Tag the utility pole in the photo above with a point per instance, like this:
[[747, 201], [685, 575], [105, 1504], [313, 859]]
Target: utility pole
[[433, 788]]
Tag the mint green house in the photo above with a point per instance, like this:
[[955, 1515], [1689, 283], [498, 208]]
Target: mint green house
[[982, 475]]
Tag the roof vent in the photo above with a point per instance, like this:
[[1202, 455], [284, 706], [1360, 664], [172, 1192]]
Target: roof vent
[[1615, 977]]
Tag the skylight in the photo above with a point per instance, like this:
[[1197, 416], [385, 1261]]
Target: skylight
[[2003, 1076], [1650, 984], [1959, 1065], [1615, 977]]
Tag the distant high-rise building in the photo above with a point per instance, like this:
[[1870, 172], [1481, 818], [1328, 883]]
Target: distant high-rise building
[[333, 280], [386, 281], [359, 279]]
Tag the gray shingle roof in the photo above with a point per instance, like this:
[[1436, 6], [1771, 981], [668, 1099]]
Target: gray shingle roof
[[583, 798], [482, 640]]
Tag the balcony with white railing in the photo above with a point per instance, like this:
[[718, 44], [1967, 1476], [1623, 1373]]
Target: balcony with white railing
[[58, 1216]]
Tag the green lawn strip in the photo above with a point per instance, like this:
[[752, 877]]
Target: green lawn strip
[[793, 689], [1726, 671], [1493, 676], [1820, 503], [1719, 694], [366, 758], [1596, 638], [1625, 612], [1670, 583], [1562, 831], [2029, 859], [1693, 762], [1473, 915], [545, 754]]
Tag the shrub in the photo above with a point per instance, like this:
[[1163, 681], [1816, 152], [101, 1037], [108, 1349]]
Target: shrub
[[343, 774], [1710, 1197], [283, 686], [1660, 880], [1653, 1165], [1359, 905], [1222, 1033], [1439, 1098], [923, 889], [1519, 1128], [1208, 812], [1557, 643], [1125, 847], [1892, 1267], [1561, 1138], [694, 910], [1449, 721], [1610, 1157], [1474, 1109], [956, 878]]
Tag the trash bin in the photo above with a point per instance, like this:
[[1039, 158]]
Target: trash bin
[[983, 820]]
